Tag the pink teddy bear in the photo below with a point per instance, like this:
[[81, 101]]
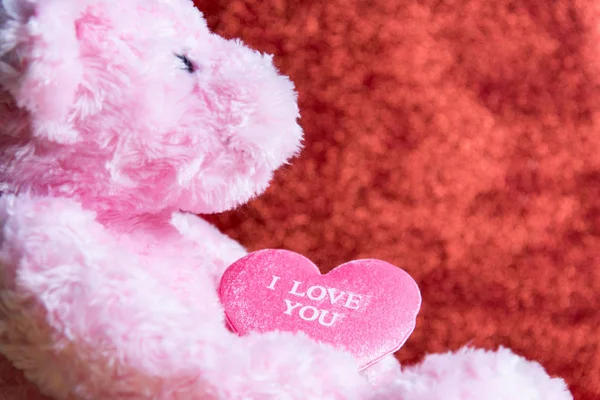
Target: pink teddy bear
[[120, 121]]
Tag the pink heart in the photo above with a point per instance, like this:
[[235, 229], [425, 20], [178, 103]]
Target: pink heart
[[367, 307]]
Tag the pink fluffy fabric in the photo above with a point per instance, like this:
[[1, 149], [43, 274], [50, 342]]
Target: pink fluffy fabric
[[120, 120]]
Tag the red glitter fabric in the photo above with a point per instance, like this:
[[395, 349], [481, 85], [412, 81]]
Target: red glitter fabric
[[456, 139], [459, 140]]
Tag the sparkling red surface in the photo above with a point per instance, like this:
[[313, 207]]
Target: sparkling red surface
[[457, 139]]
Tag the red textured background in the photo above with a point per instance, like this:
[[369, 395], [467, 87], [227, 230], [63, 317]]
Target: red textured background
[[457, 139]]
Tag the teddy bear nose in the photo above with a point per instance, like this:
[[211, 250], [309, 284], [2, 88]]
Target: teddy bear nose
[[258, 104]]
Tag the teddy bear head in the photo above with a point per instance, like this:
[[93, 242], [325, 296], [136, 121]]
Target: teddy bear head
[[135, 106]]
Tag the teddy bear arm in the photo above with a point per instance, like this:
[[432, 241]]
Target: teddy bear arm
[[80, 312], [466, 374], [206, 241], [84, 317]]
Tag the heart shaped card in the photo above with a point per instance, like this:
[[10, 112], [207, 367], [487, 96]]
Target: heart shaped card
[[366, 307]]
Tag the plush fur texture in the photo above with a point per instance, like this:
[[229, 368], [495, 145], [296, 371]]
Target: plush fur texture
[[119, 121]]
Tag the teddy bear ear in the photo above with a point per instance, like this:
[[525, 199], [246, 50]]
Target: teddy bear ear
[[40, 61]]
